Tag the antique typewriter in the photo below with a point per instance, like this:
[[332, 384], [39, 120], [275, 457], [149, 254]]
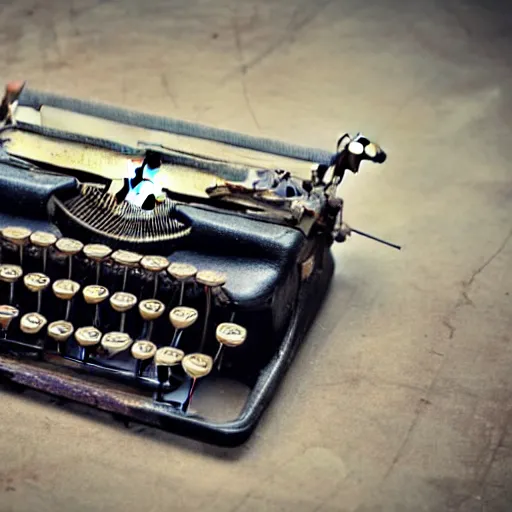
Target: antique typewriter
[[148, 265]]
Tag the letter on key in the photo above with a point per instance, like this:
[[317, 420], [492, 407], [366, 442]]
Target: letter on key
[[151, 309], [122, 302], [10, 274], [196, 366], [60, 331], [95, 293], [143, 350], [32, 323], [36, 282], [115, 342], [165, 358]]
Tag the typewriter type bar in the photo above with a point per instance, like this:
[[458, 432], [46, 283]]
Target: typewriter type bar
[[135, 291]]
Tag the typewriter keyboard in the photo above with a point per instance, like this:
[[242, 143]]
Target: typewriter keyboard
[[158, 325]]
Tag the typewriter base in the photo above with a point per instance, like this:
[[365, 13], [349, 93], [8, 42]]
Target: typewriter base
[[66, 384]]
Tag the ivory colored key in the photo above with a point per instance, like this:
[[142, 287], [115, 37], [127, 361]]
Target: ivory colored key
[[182, 272], [181, 318], [155, 265], [165, 359], [32, 323], [196, 365], [36, 282], [150, 310], [60, 331], [17, 235], [10, 274], [97, 253], [7, 315], [70, 247], [115, 342], [209, 279], [128, 260], [229, 334], [95, 294], [88, 338], [122, 302], [143, 352], [43, 240], [65, 289]]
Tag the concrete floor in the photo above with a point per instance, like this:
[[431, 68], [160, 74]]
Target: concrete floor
[[401, 398]]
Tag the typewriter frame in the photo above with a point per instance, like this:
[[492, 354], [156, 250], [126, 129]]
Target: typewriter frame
[[316, 271]]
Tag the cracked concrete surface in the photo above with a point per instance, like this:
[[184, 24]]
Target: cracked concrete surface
[[401, 398]]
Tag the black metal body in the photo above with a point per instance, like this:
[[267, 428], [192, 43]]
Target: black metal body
[[278, 276]]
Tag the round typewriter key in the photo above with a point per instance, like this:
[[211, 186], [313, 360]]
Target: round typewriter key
[[151, 309], [60, 331], [210, 279], [230, 335], [122, 302], [165, 358], [7, 315], [97, 253], [69, 247], [95, 294], [115, 342], [65, 289], [36, 282], [43, 239], [181, 272], [10, 274], [32, 323], [143, 351], [17, 235], [196, 366], [182, 317], [87, 338], [168, 356], [154, 264], [128, 260]]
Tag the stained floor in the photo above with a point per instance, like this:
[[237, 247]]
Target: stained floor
[[401, 398]]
